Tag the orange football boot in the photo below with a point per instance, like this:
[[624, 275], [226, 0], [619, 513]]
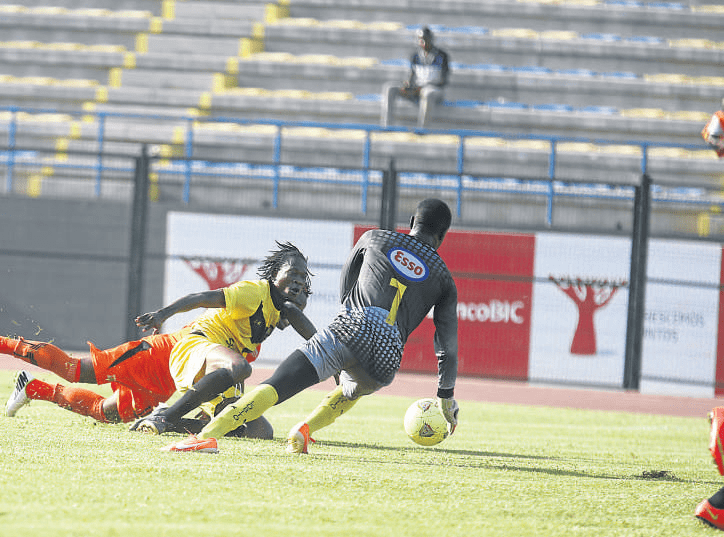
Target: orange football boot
[[710, 515]]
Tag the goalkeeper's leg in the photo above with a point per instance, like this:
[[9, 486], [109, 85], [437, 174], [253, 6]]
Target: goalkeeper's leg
[[332, 406]]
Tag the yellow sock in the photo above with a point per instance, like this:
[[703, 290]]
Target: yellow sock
[[332, 406], [251, 406]]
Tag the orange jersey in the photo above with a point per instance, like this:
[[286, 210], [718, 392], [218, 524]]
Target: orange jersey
[[138, 371], [713, 132]]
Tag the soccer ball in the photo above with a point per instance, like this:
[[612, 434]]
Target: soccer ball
[[424, 422]]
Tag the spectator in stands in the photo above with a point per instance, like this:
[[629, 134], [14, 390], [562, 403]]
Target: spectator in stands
[[713, 132], [425, 85]]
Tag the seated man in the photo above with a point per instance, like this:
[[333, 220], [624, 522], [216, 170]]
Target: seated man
[[428, 76]]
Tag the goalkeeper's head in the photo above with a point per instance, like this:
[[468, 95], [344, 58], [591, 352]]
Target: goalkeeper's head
[[432, 217]]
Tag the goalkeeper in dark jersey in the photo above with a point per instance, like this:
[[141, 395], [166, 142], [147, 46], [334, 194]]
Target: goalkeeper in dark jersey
[[389, 284]]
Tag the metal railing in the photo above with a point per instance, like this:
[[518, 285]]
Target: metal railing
[[363, 174]]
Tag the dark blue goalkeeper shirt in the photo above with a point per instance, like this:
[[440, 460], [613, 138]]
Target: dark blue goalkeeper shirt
[[394, 279]]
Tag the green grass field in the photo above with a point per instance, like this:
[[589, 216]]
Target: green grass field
[[508, 470]]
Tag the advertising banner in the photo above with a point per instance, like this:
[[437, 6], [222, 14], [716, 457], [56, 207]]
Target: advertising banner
[[681, 321], [579, 309], [493, 274]]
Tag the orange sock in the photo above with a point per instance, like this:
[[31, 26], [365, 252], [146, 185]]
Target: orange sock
[[78, 400], [44, 355]]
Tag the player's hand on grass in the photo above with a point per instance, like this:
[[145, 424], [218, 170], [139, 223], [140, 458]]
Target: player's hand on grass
[[450, 410]]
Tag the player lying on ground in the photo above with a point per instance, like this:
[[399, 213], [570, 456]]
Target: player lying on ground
[[711, 511], [138, 371], [215, 355], [389, 283]]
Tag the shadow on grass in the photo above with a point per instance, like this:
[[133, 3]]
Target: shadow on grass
[[485, 459]]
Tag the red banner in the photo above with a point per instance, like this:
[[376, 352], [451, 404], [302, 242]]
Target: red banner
[[493, 273]]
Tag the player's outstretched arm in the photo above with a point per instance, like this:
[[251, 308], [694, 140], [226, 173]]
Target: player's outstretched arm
[[206, 299], [298, 320]]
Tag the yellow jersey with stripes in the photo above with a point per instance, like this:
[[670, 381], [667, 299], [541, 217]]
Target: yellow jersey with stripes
[[251, 313]]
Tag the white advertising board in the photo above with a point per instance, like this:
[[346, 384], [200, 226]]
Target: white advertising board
[[681, 319], [578, 330], [244, 241]]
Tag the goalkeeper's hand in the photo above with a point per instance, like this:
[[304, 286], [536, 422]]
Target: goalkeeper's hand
[[449, 408]]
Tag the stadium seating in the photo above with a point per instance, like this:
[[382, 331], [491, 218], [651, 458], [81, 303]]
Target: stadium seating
[[621, 71]]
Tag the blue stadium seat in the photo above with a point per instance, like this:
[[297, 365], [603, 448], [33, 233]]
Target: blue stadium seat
[[576, 72], [553, 107], [609, 110], [370, 97], [398, 62], [463, 103], [508, 105], [602, 37], [531, 70], [667, 5]]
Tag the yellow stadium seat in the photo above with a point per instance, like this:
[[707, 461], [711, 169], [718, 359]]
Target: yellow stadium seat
[[358, 61], [332, 96], [644, 113], [691, 43], [77, 83], [290, 94], [684, 115], [668, 78], [486, 141], [708, 8], [110, 49], [324, 59], [247, 92], [620, 149], [48, 10], [92, 12], [385, 26], [306, 132], [281, 57], [394, 137], [577, 147], [62, 46], [12, 8], [709, 80], [21, 44], [132, 14], [297, 21], [530, 145], [345, 24], [520, 33], [559, 35]]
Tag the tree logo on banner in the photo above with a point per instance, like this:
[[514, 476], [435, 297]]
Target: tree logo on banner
[[589, 296], [217, 274]]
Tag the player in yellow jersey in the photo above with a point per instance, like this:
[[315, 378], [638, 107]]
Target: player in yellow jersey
[[215, 356]]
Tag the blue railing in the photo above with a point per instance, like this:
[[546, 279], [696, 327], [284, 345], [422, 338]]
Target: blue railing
[[277, 172]]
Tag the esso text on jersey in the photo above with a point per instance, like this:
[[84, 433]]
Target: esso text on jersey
[[408, 264]]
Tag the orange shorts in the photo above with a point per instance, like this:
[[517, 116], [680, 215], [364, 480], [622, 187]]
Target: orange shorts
[[138, 372]]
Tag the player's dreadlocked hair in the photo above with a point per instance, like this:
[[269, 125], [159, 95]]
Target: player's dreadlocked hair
[[273, 262]]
